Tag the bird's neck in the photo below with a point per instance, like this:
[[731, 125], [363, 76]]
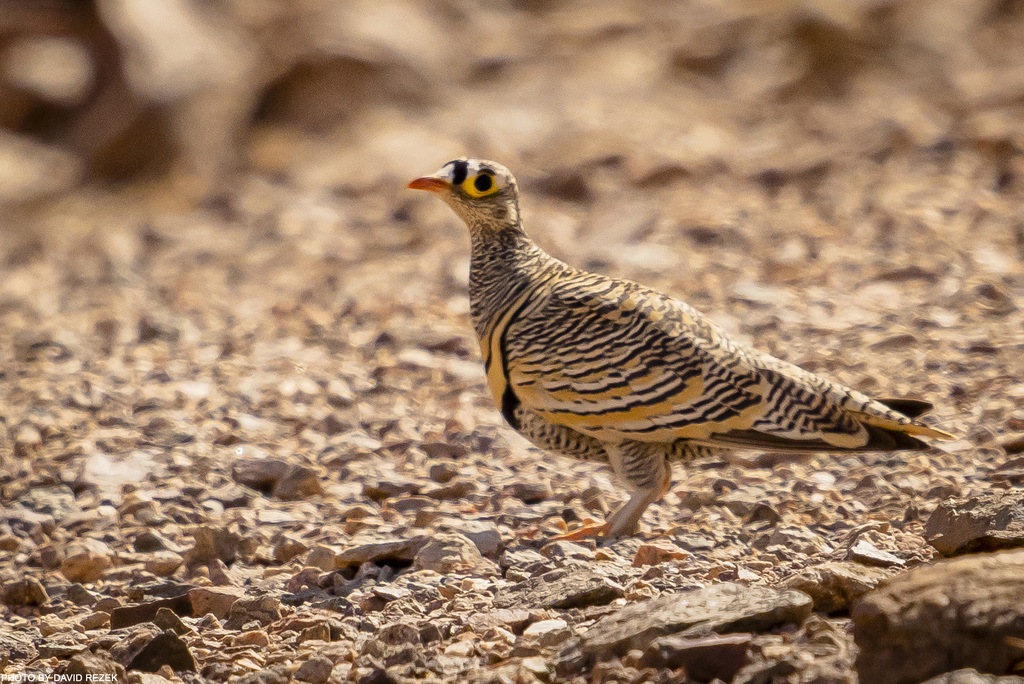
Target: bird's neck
[[503, 264]]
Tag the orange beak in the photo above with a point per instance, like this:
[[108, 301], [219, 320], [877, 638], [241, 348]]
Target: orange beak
[[430, 184]]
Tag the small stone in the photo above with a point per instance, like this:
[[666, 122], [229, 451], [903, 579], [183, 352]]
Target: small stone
[[447, 553], [318, 632], [530, 492], [402, 551], [97, 620], [358, 512], [398, 634], [149, 541], [27, 591], [27, 442], [658, 553], [460, 649], [443, 472], [163, 563], [108, 603], [219, 573], [316, 670], [214, 543], [262, 609], [215, 600], [411, 504], [167, 619], [300, 482], [90, 667], [537, 665], [562, 549], [453, 491], [256, 637], [80, 596], [9, 543], [321, 557], [484, 534], [391, 487], [798, 539], [544, 626], [166, 648], [866, 553], [86, 560], [287, 548], [261, 474]]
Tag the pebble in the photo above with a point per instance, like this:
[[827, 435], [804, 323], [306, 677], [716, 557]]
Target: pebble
[[287, 548], [299, 482], [163, 563], [545, 626], [322, 557], [85, 560], [215, 600], [27, 591], [316, 670], [448, 553], [658, 553], [530, 492], [867, 553], [259, 473], [246, 609]]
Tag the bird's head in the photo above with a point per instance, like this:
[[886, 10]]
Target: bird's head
[[483, 193]]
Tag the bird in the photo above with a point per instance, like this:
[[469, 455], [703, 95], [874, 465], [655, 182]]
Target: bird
[[594, 367]]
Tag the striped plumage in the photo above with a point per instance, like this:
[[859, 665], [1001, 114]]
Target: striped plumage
[[595, 367]]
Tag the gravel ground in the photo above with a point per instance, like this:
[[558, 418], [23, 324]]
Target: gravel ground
[[250, 438]]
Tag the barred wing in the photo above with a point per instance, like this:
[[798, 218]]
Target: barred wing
[[615, 360]]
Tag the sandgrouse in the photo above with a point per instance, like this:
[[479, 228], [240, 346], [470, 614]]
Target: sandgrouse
[[600, 368]]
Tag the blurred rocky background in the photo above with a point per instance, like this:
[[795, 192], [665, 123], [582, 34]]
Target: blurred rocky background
[[235, 353]]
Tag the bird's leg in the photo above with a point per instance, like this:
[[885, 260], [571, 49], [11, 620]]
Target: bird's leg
[[645, 468]]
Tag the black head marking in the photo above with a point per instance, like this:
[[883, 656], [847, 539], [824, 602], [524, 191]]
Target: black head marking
[[459, 170]]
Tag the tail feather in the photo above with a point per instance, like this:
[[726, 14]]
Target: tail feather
[[887, 439]]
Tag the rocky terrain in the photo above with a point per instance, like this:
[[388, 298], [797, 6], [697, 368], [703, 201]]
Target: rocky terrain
[[244, 432]]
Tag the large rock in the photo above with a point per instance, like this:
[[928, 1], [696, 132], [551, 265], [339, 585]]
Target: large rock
[[719, 608], [932, 619], [984, 523]]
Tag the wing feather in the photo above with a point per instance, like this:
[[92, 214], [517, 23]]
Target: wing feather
[[615, 360]]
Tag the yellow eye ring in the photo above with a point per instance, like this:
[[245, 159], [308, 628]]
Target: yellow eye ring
[[480, 185]]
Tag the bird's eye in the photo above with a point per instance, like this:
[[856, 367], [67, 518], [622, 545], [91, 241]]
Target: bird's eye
[[480, 185]]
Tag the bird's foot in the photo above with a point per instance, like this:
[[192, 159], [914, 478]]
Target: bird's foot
[[591, 529]]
